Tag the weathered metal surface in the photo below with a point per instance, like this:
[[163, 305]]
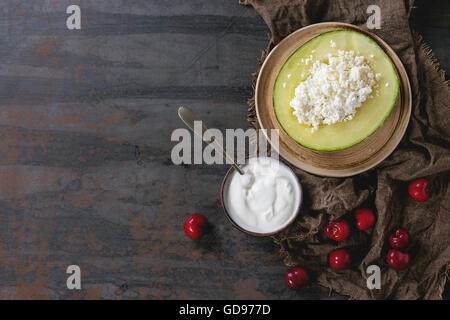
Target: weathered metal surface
[[85, 170]]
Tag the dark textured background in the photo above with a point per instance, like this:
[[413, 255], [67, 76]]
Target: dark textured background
[[85, 170]]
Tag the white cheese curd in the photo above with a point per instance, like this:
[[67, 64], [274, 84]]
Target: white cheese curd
[[334, 89], [265, 198]]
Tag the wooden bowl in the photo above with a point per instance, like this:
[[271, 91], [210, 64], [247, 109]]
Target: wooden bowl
[[342, 163]]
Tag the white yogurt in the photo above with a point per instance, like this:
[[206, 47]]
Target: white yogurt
[[265, 198]]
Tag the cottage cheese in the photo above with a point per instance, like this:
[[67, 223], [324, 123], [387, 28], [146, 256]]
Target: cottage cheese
[[334, 90]]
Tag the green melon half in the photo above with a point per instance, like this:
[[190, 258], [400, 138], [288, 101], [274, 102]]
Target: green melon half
[[372, 113]]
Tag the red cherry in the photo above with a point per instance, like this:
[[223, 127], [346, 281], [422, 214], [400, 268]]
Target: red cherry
[[194, 225], [337, 230], [419, 190], [296, 277], [364, 219], [399, 239], [340, 259], [397, 260]]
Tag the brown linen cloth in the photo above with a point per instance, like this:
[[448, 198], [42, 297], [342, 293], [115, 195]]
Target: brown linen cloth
[[423, 152]]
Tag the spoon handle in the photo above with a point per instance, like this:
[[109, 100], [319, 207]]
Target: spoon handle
[[189, 117]]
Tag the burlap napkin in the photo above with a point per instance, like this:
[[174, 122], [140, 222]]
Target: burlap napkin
[[424, 152]]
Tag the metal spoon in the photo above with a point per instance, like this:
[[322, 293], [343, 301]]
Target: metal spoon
[[188, 118]]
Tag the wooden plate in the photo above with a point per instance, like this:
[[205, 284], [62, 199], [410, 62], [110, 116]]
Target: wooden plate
[[342, 163]]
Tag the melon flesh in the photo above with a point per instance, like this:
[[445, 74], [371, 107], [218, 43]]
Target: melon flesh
[[372, 113]]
